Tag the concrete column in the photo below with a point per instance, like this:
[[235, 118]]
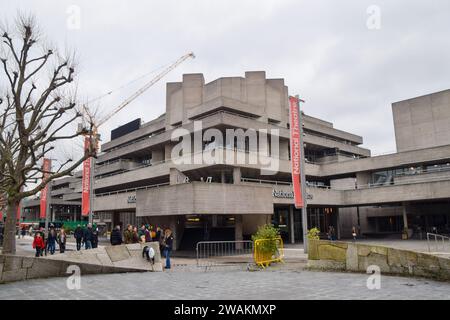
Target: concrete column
[[158, 155], [167, 151], [362, 178], [222, 176], [405, 217], [291, 223], [284, 149], [237, 175], [238, 228]]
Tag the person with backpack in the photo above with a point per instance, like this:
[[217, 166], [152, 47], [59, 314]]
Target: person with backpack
[[78, 234]]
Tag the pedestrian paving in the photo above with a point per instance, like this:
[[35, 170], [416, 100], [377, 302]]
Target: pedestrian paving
[[191, 283]]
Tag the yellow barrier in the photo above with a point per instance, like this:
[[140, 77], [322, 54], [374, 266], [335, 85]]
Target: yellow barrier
[[267, 251]]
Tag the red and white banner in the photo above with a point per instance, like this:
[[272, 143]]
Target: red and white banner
[[46, 167], [294, 113], [86, 183]]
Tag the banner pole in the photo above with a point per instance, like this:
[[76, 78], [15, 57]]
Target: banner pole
[[91, 190], [303, 178]]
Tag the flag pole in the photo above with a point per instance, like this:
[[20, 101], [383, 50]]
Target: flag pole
[[303, 177]]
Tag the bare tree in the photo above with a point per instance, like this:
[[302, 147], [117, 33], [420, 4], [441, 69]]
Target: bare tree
[[37, 107]]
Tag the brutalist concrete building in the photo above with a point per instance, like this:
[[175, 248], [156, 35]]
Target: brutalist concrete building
[[140, 178]]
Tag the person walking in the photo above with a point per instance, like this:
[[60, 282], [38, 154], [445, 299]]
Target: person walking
[[62, 238], [168, 245], [23, 231], [116, 236], [38, 244], [78, 234], [87, 237], [51, 239], [128, 234]]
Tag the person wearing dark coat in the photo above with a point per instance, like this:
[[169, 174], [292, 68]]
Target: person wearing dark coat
[[78, 234], [88, 236], [95, 238], [51, 240], [116, 236]]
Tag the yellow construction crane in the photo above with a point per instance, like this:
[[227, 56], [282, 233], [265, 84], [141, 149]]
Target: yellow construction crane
[[127, 101], [97, 124]]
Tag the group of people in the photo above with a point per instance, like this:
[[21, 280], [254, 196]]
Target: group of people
[[86, 236], [146, 233], [43, 244]]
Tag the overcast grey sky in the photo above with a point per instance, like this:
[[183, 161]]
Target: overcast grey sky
[[348, 73]]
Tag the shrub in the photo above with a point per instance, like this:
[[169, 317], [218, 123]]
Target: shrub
[[267, 231], [313, 234]]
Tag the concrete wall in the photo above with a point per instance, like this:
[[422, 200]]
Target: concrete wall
[[204, 198], [17, 268], [422, 122], [357, 257]]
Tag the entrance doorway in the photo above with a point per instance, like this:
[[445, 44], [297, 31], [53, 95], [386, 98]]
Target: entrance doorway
[[206, 228]]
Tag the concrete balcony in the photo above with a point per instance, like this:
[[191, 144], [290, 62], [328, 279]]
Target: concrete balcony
[[383, 162], [115, 201], [73, 196], [61, 191], [228, 157], [204, 198], [119, 165], [227, 120]]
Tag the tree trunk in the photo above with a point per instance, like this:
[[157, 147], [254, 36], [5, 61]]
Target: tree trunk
[[9, 238]]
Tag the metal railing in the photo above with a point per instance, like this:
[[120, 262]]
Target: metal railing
[[224, 253], [131, 190], [440, 244], [268, 251]]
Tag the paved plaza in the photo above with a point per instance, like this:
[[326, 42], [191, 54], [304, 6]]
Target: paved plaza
[[228, 284]]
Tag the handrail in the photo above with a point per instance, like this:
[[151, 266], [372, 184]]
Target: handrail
[[275, 182], [436, 236]]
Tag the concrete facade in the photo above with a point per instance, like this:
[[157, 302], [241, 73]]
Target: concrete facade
[[138, 179], [422, 122]]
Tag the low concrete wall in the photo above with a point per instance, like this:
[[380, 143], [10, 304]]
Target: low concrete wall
[[123, 256], [330, 255], [18, 268], [111, 259]]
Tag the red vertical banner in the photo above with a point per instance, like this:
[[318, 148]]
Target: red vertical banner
[[294, 114], [46, 167], [86, 182]]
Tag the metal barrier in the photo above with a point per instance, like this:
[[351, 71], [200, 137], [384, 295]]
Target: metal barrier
[[224, 253], [268, 251], [438, 244]]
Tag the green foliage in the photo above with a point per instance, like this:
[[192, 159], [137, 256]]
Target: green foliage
[[313, 234], [267, 232]]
